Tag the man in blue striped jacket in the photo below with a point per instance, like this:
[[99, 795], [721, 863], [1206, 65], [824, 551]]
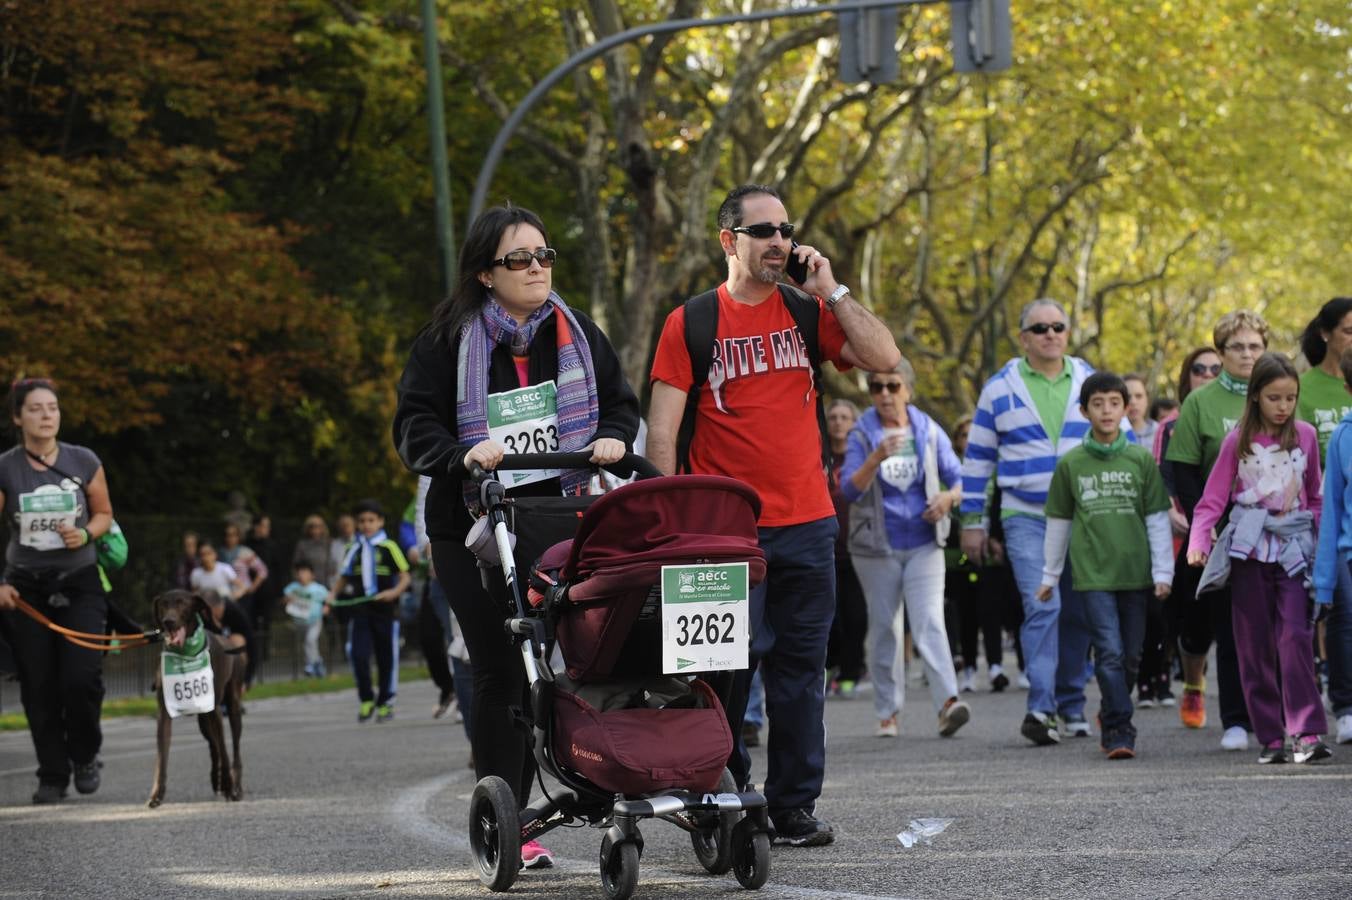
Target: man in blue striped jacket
[[1021, 406]]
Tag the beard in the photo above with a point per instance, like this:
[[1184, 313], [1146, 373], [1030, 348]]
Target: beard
[[764, 273]]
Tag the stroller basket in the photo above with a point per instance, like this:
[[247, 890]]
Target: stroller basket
[[642, 750]]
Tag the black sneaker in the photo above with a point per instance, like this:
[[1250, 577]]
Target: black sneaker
[[1275, 753], [48, 792], [87, 776], [1040, 728], [1310, 749], [800, 828]]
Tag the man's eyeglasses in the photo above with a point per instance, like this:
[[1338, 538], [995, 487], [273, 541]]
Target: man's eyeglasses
[[520, 259], [763, 230], [1044, 327], [1203, 369], [1255, 349], [877, 387]]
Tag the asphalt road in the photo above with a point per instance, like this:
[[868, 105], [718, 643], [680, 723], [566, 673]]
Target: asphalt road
[[337, 809]]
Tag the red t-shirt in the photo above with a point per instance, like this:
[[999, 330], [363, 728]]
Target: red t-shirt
[[757, 416]]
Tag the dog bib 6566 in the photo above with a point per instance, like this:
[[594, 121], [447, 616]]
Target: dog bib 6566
[[526, 420], [189, 687]]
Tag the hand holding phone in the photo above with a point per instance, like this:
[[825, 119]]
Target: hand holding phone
[[794, 267]]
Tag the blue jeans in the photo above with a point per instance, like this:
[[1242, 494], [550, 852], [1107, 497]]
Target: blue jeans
[[1055, 635], [1338, 640], [1117, 632], [791, 613]]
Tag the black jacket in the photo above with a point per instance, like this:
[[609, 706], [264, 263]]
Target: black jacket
[[424, 423]]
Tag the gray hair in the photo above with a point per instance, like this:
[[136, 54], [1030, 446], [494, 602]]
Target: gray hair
[[907, 373], [1040, 302]]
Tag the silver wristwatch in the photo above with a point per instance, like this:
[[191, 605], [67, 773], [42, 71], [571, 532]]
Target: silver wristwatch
[[840, 291]]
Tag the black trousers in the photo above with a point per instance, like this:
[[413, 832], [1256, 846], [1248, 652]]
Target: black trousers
[[977, 595], [845, 646], [1200, 621], [60, 684], [432, 639], [501, 705], [1157, 653]]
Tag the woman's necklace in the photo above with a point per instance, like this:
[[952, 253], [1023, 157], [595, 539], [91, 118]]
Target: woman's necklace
[[45, 458]]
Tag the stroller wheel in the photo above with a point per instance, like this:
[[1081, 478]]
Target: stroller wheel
[[713, 845], [750, 855], [495, 833], [619, 870]]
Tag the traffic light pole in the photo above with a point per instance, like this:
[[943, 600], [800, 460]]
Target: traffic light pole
[[514, 120]]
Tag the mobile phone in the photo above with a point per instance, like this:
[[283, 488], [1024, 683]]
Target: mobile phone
[[793, 266]]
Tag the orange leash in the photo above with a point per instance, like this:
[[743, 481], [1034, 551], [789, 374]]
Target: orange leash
[[88, 641]]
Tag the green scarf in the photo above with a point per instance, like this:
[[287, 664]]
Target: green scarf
[[1103, 451], [192, 645], [1233, 384]]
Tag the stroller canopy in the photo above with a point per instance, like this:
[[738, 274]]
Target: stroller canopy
[[661, 519]]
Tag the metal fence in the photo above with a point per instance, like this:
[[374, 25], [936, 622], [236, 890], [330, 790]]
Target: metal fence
[[131, 673]]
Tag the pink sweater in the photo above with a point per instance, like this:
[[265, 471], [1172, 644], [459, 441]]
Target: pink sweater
[[1278, 480]]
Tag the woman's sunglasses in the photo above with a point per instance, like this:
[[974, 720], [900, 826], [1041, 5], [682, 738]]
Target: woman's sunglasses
[[1044, 327], [520, 259], [877, 387], [1203, 369], [763, 230]]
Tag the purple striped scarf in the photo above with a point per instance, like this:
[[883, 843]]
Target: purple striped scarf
[[578, 409]]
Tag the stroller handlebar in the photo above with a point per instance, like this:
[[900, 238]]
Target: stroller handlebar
[[629, 464]]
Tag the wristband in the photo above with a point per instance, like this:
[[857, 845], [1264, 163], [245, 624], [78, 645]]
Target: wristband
[[87, 537]]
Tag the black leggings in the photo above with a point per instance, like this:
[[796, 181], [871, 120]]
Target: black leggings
[[61, 684], [1202, 620], [501, 703], [845, 646], [980, 603]]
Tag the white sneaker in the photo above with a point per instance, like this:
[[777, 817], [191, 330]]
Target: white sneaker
[[1024, 683], [1345, 729], [1235, 738], [887, 728], [968, 681]]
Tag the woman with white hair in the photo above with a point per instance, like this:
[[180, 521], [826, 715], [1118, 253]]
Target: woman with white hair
[[903, 478]]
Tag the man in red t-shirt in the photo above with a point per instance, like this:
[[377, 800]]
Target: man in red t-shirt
[[757, 421]]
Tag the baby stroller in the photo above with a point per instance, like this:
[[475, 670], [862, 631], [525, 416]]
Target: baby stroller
[[625, 742]]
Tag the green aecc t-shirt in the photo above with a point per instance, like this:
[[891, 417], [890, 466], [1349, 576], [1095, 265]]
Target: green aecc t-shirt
[[1107, 501], [1323, 403], [1208, 415]]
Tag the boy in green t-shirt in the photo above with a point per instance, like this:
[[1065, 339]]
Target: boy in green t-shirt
[[1108, 503]]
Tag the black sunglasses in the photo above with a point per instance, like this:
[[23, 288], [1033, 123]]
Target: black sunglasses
[[877, 387], [520, 259], [1043, 327], [1203, 369], [763, 230]]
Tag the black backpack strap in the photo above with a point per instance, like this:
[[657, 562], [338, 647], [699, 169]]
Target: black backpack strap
[[806, 314], [701, 329]]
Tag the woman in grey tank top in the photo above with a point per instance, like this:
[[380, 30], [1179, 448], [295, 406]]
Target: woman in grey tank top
[[55, 501]]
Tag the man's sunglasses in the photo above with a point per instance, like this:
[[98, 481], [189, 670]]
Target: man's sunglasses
[[763, 230], [1203, 369], [1044, 327], [877, 387], [520, 259]]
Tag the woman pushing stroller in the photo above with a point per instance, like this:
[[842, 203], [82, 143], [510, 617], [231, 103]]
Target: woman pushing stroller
[[504, 366]]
